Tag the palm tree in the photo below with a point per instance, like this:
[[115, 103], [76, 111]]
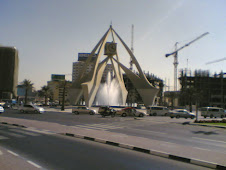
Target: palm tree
[[46, 92], [27, 85]]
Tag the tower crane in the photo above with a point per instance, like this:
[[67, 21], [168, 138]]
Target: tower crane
[[175, 53], [215, 61]]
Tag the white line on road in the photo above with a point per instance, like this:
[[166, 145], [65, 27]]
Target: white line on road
[[34, 164], [211, 140], [13, 153], [202, 149], [149, 131]]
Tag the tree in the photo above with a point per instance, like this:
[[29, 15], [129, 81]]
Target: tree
[[27, 85], [46, 92]]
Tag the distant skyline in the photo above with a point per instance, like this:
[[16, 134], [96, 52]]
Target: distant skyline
[[50, 34]]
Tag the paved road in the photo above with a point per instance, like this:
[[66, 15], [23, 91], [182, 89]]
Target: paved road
[[47, 150], [158, 128]]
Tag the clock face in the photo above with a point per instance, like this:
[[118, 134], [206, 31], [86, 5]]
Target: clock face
[[112, 48]]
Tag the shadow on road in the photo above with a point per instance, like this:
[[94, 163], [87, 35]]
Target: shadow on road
[[205, 132]]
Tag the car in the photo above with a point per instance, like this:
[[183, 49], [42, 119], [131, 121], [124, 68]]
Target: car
[[1, 109], [212, 112], [157, 111], [83, 109], [31, 109], [130, 111], [178, 113]]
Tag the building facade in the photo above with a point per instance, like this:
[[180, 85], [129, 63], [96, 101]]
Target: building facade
[[77, 67], [57, 85], [201, 87], [9, 63]]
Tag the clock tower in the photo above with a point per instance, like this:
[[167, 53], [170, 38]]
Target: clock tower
[[110, 48]]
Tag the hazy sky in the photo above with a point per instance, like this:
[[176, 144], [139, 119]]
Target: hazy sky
[[50, 34]]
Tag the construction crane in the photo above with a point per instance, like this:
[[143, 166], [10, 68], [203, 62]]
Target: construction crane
[[131, 62], [175, 53], [215, 61]]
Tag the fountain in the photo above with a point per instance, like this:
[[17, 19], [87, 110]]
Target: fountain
[[109, 92]]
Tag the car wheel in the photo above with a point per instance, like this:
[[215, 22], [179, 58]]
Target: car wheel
[[124, 115], [36, 111], [211, 116], [150, 114], [171, 117], [186, 117], [76, 112], [192, 117], [91, 113], [222, 116], [204, 116], [141, 115], [154, 114], [177, 116]]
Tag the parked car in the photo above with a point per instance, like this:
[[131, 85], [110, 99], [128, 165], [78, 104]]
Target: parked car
[[157, 111], [178, 113], [106, 111], [212, 112], [130, 111], [31, 109], [1, 109], [83, 109]]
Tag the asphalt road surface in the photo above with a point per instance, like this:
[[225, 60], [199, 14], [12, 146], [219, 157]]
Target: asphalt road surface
[[52, 151], [174, 131]]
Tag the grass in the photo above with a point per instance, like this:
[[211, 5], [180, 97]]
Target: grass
[[220, 124]]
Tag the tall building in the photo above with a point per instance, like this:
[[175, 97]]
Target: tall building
[[57, 85], [77, 66], [9, 63]]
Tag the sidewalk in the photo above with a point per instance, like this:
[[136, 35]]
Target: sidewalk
[[169, 150]]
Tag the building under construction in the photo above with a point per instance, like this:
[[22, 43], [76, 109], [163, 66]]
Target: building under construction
[[202, 88]]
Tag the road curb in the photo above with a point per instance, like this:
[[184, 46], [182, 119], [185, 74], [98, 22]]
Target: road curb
[[5, 123], [152, 152]]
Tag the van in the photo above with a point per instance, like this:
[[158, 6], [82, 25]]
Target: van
[[212, 112], [157, 111]]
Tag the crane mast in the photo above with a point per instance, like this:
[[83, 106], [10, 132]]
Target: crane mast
[[131, 62], [175, 53]]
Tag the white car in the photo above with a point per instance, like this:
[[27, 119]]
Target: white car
[[1, 109], [157, 111], [130, 111], [31, 108], [178, 113], [83, 109]]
